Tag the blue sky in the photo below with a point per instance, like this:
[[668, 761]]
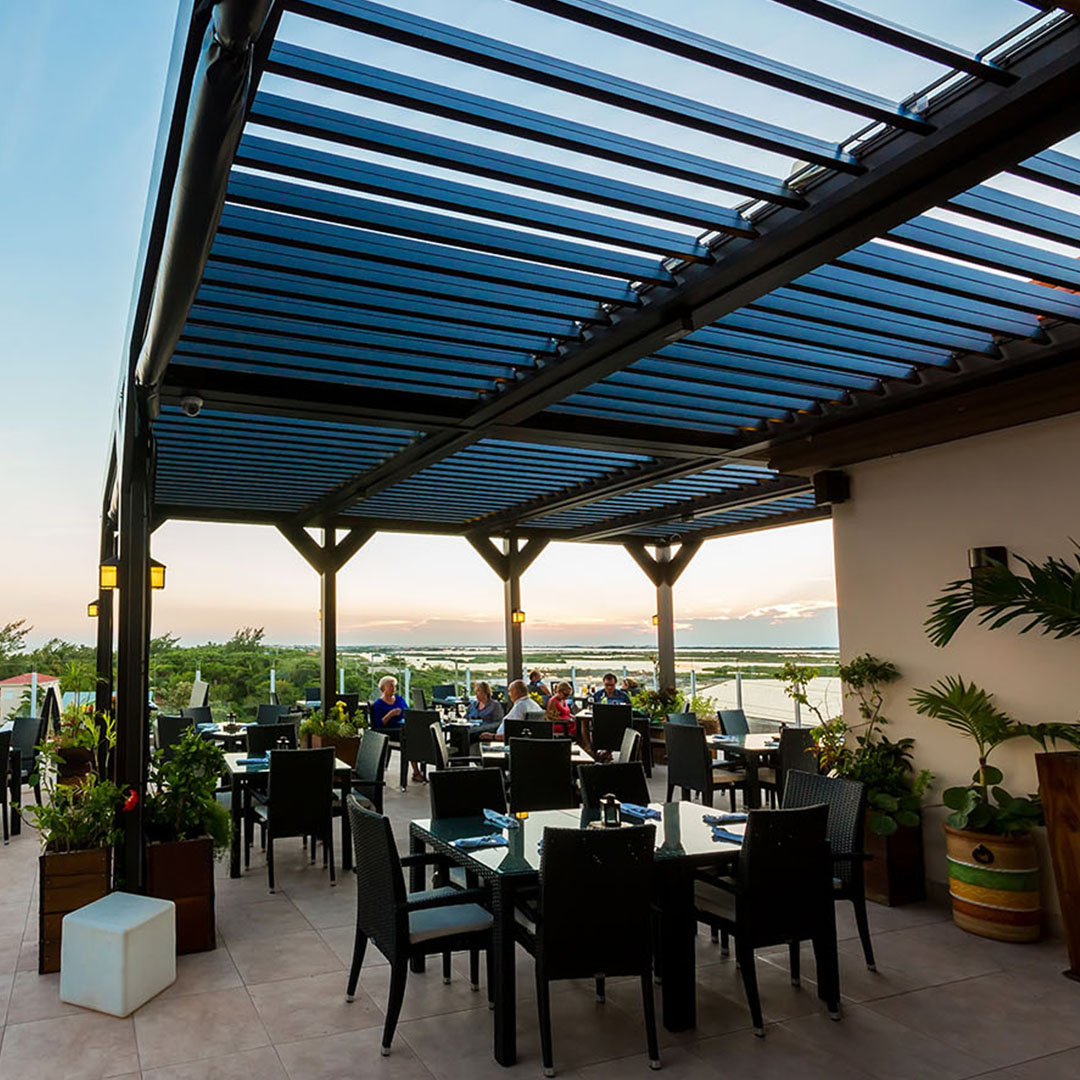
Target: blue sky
[[81, 87]]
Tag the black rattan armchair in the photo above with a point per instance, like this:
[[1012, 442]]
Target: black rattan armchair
[[541, 776], [197, 714], [691, 767], [261, 738], [625, 780], [369, 772], [781, 894], [168, 731], [5, 778], [733, 721], [457, 793], [271, 714], [443, 758], [403, 925], [846, 800], [608, 724], [796, 754], [415, 742], [607, 936], [27, 733]]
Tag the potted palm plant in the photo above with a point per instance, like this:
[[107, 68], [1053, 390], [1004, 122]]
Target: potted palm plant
[[186, 826], [334, 728], [993, 861], [77, 825]]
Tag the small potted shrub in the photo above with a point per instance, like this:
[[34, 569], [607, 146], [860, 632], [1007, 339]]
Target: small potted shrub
[[333, 728], [657, 705], [75, 746], [993, 861], [186, 825], [77, 824]]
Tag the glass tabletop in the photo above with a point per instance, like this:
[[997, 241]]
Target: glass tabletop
[[757, 743], [237, 764], [681, 833]]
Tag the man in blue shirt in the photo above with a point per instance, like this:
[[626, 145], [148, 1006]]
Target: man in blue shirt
[[610, 694]]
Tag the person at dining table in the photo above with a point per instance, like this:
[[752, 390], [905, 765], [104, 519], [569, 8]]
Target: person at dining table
[[538, 686], [609, 693], [522, 708], [484, 711], [558, 710], [388, 714]]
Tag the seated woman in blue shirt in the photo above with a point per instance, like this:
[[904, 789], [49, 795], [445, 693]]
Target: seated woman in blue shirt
[[388, 713]]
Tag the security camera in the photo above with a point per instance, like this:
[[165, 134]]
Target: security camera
[[191, 404]]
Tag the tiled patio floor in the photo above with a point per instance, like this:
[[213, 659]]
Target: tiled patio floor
[[269, 1003]]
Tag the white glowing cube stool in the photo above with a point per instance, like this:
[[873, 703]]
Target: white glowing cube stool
[[118, 952]]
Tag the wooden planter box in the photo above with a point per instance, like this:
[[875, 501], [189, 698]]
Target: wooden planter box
[[183, 872], [895, 872], [67, 882], [345, 749], [1059, 786]]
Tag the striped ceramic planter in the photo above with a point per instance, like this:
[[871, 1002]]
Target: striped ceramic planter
[[994, 885]]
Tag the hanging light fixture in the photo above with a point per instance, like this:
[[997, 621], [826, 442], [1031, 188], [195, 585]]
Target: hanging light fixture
[[109, 573], [656, 620], [92, 609], [517, 616], [157, 574]]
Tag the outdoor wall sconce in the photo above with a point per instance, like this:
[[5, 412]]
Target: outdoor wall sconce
[[517, 617], [157, 574], [982, 561], [108, 574], [92, 609], [656, 620]]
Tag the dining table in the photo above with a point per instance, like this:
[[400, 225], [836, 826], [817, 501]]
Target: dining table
[[752, 751], [228, 736], [684, 843], [641, 724], [497, 753], [241, 769]]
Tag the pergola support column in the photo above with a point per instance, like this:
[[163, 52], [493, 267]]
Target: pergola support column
[[327, 558], [133, 636], [663, 570], [510, 563]]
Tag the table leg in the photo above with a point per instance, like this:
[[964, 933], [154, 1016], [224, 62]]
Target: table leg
[[237, 807], [417, 881], [346, 825], [752, 795], [677, 961], [15, 765], [503, 945]]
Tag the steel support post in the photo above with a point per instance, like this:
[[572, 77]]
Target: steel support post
[[328, 623], [133, 637], [665, 622], [103, 683]]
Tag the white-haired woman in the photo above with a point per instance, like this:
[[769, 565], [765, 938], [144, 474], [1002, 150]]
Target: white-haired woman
[[388, 713]]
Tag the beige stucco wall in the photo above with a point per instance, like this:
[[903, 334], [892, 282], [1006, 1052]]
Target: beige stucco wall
[[906, 532]]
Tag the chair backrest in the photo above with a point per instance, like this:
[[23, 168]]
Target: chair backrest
[[169, 731], [274, 699], [312, 693], [200, 694], [608, 724], [528, 729], [419, 699], [416, 742], [380, 884], [197, 714], [51, 709], [846, 800], [350, 701], [733, 722], [784, 875], [26, 735], [443, 691], [683, 719], [630, 747], [264, 737], [688, 760], [438, 746], [5, 750], [372, 757], [466, 792], [541, 777], [624, 779], [300, 791], [796, 752], [271, 714], [609, 933]]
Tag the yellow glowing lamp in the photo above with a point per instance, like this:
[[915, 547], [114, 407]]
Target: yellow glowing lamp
[[92, 609], [157, 574], [517, 617], [109, 573], [656, 620]]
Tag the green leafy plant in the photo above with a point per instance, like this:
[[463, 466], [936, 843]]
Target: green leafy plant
[[704, 708], [656, 704], [181, 803], [334, 724], [796, 679], [1047, 596], [81, 728], [863, 752], [984, 805]]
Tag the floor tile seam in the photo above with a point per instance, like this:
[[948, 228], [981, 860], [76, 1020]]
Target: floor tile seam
[[1027, 1061]]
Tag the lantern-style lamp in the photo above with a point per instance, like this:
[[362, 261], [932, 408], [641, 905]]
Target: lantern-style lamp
[[656, 620], [517, 617], [109, 574], [157, 574], [92, 609]]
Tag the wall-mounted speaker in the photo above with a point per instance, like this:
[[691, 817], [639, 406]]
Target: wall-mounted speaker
[[831, 486]]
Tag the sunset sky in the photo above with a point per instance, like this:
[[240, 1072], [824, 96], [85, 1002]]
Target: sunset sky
[[81, 87]]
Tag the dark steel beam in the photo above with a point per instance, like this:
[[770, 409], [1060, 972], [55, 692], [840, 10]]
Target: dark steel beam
[[782, 487], [679, 41]]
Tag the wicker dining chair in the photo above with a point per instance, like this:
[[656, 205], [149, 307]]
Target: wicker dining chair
[[691, 767], [466, 792], [625, 780], [541, 775]]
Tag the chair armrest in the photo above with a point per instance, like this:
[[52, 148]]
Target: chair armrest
[[426, 858], [455, 761], [368, 783], [460, 896]]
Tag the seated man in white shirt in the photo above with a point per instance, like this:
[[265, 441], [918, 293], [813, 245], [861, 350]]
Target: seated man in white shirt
[[522, 708]]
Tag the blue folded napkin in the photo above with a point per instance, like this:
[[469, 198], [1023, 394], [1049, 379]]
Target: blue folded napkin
[[722, 834], [493, 817], [470, 843], [723, 818], [205, 727], [253, 761], [646, 812]]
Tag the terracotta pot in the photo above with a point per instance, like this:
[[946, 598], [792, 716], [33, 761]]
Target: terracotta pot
[[75, 764], [183, 871], [895, 872], [344, 748], [711, 724], [994, 884], [68, 882]]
